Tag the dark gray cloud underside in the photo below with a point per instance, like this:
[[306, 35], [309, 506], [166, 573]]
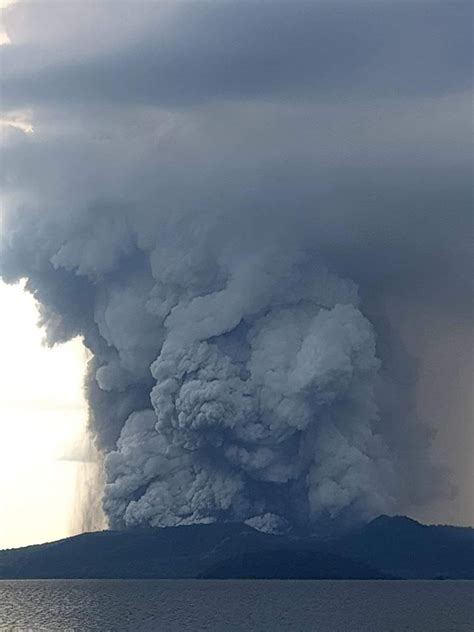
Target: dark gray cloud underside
[[280, 50]]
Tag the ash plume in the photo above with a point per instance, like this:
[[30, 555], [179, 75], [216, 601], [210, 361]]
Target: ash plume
[[220, 231]]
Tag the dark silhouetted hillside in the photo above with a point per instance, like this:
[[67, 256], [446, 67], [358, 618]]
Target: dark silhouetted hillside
[[291, 564], [394, 547], [403, 547]]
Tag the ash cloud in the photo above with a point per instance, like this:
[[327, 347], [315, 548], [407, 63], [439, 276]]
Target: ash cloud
[[220, 199]]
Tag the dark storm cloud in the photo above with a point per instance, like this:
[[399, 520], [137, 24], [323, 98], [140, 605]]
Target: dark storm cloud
[[193, 171], [191, 53], [393, 77]]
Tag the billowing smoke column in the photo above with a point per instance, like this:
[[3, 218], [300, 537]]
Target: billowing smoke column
[[229, 381], [197, 189], [263, 404]]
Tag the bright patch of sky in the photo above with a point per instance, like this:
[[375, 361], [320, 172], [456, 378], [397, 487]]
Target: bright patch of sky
[[42, 419]]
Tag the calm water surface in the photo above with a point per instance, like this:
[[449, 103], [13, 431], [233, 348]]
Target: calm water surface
[[221, 606]]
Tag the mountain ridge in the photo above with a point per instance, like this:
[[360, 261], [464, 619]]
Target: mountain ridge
[[386, 547]]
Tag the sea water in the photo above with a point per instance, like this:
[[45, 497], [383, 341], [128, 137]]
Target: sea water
[[236, 605]]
